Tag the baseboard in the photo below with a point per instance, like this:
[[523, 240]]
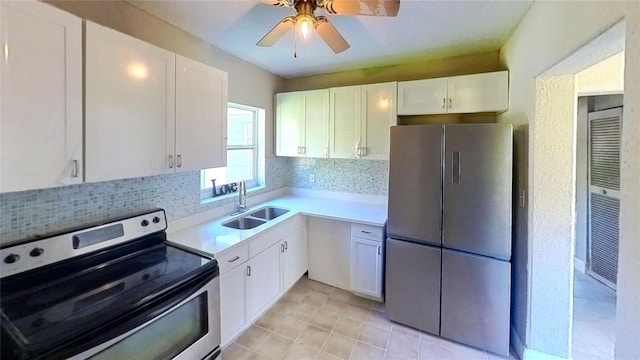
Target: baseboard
[[579, 265], [528, 354]]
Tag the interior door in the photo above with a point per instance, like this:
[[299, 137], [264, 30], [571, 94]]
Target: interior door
[[604, 194]]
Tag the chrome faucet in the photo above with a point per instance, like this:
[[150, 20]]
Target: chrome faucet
[[242, 196]]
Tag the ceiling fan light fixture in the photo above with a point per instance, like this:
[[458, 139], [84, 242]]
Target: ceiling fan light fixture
[[305, 23]]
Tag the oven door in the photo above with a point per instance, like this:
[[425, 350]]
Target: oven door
[[189, 330]]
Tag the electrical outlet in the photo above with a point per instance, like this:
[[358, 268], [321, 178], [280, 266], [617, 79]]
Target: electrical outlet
[[312, 177]]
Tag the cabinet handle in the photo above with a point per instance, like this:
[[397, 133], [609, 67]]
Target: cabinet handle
[[365, 232], [304, 150], [179, 161], [298, 150], [281, 247], [364, 151], [248, 270], [450, 103], [170, 161], [286, 245], [379, 252], [74, 169], [234, 259], [444, 103]]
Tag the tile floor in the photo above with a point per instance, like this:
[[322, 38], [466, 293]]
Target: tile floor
[[317, 321], [594, 313]]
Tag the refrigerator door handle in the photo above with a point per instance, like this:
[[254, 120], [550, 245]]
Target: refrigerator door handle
[[455, 168]]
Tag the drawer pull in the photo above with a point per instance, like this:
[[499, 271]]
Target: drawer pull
[[366, 232], [234, 259], [248, 270], [286, 245]]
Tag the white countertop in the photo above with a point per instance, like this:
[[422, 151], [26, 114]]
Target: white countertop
[[211, 238]]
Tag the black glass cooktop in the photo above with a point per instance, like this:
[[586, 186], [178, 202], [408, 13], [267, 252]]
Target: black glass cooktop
[[58, 304]]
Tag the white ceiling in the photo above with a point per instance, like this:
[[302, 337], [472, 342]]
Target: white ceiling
[[423, 30]]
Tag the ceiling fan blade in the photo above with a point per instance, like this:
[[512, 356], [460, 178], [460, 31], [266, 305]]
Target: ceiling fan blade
[[277, 31], [362, 7], [330, 35], [277, 2]]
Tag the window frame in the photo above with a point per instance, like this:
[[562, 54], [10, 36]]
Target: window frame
[[207, 191]]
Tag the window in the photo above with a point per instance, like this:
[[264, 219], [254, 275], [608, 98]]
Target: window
[[242, 150]]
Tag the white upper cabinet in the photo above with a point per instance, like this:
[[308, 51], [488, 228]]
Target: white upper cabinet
[[488, 92], [360, 118], [130, 99], [302, 122], [315, 105], [345, 116], [418, 97], [378, 115], [148, 110], [289, 124], [201, 116], [41, 97], [478, 93]]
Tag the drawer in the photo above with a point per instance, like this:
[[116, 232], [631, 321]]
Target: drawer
[[232, 258], [367, 231]]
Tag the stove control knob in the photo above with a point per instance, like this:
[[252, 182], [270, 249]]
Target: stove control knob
[[156, 219], [11, 258], [144, 222], [36, 252]]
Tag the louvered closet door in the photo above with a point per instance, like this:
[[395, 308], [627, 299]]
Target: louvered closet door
[[604, 194]]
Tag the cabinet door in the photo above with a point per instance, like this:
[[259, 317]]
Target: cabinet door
[[130, 99], [422, 97], [41, 97], [201, 116], [366, 267], [344, 121], [263, 280], [293, 260], [316, 115], [289, 124], [379, 114], [232, 303], [479, 92]]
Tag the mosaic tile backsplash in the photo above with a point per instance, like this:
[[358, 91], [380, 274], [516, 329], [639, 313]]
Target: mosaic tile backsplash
[[345, 175], [29, 213]]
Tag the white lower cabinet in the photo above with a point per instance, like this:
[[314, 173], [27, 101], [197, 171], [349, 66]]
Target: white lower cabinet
[[248, 287], [232, 300], [366, 267], [263, 282], [293, 257], [366, 260]]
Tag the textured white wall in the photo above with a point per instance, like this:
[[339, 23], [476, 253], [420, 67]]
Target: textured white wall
[[628, 294], [550, 32]]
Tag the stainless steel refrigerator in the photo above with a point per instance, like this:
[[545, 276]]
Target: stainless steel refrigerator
[[449, 232]]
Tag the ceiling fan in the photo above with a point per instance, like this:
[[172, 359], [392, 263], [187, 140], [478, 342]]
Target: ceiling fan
[[306, 19]]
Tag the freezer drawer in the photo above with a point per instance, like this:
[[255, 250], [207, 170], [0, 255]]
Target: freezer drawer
[[412, 285], [476, 301]]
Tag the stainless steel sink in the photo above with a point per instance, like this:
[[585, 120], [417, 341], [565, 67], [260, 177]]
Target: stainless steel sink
[[268, 213], [244, 223]]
